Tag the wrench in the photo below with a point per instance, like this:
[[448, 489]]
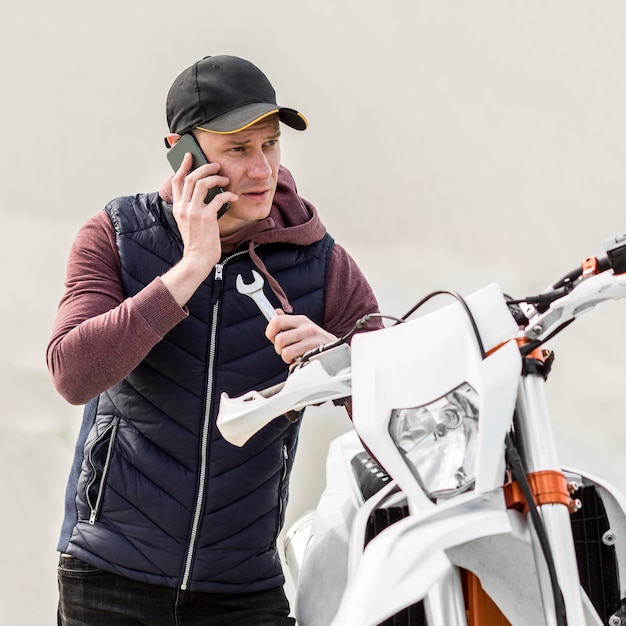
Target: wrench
[[255, 291]]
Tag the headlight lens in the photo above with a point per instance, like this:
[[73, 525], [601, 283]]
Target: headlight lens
[[438, 441]]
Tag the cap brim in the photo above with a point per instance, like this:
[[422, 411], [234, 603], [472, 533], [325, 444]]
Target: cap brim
[[245, 116]]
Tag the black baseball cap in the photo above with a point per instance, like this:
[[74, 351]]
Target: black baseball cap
[[224, 94]]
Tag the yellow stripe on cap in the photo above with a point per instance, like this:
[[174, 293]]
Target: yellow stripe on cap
[[306, 122], [237, 130]]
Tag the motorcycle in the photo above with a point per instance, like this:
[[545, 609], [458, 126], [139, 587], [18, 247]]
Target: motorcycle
[[447, 504]]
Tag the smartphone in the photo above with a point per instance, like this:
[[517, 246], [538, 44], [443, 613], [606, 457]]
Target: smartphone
[[175, 155]]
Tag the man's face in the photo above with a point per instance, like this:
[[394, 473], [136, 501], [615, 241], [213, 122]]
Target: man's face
[[250, 159]]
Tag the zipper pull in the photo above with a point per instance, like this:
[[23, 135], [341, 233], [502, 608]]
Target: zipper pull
[[92, 517], [218, 282]]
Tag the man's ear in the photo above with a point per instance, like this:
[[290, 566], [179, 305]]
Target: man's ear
[[171, 139]]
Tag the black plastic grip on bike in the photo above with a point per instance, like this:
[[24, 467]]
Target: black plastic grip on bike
[[616, 253]]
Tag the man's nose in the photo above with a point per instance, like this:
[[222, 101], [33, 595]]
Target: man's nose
[[259, 166]]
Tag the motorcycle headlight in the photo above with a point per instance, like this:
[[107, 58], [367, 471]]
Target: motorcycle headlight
[[438, 441]]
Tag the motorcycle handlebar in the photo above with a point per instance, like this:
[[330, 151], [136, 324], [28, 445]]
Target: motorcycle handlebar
[[602, 264], [615, 259]]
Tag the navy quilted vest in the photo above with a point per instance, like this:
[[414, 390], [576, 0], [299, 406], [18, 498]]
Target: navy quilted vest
[[156, 494]]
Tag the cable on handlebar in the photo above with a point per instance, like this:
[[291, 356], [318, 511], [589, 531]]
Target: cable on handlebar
[[560, 289], [565, 285], [462, 302], [543, 301], [359, 324], [603, 264], [532, 345]]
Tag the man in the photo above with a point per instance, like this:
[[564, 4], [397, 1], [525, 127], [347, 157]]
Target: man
[[166, 522]]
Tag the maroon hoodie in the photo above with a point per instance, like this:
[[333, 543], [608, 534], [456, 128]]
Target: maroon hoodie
[[99, 335]]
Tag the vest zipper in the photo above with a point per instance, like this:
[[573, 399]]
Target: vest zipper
[[281, 504], [95, 508], [206, 423]]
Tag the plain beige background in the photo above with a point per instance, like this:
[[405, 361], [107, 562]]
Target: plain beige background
[[451, 144]]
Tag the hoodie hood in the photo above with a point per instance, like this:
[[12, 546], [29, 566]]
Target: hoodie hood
[[292, 220]]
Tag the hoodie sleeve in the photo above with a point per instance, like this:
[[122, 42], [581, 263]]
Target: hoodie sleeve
[[99, 335], [348, 295]]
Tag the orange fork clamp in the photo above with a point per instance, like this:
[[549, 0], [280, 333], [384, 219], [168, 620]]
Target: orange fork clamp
[[548, 487]]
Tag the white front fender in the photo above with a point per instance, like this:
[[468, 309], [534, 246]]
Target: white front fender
[[402, 563]]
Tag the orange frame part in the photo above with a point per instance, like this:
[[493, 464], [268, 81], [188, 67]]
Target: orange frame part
[[480, 608]]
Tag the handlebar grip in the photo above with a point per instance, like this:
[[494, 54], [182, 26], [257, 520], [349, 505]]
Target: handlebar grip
[[603, 265], [616, 252]]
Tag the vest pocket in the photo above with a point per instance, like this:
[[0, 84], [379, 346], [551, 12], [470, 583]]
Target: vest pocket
[[98, 458]]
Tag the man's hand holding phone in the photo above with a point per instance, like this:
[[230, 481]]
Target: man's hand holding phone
[[187, 144], [197, 223]]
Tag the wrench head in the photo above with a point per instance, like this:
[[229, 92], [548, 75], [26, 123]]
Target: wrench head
[[248, 288]]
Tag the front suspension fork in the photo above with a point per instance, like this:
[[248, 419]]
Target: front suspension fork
[[538, 450]]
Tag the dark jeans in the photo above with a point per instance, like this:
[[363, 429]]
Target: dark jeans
[[89, 596]]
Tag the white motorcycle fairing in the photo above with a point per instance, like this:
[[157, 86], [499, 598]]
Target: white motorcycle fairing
[[380, 361], [440, 351]]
